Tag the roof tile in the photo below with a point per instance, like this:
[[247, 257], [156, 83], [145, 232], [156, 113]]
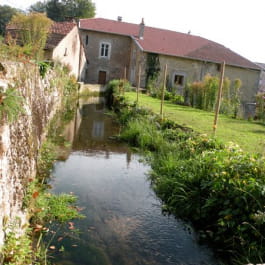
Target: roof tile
[[57, 32], [170, 42]]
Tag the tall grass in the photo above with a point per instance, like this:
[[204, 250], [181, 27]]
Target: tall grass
[[218, 187]]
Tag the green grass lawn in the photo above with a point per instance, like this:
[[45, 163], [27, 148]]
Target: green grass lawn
[[250, 136]]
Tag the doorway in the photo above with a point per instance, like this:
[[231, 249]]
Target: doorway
[[102, 75]]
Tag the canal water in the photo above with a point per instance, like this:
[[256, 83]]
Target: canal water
[[123, 223]]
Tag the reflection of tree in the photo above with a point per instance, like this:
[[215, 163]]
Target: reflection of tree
[[128, 157]]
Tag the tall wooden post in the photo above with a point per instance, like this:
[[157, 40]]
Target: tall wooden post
[[218, 103], [163, 91], [124, 79], [138, 83]]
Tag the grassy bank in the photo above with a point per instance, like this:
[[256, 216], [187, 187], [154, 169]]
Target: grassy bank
[[216, 186], [250, 136]]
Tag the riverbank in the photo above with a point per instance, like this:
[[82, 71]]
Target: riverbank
[[32, 103], [124, 223], [217, 187]]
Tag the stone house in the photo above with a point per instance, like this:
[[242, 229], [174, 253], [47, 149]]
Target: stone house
[[115, 48], [64, 45]]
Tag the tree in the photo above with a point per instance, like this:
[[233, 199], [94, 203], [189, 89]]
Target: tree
[[60, 10], [55, 10], [39, 7], [32, 30], [6, 13], [79, 8]]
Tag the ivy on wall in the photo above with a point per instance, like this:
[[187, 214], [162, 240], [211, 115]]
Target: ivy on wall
[[152, 70]]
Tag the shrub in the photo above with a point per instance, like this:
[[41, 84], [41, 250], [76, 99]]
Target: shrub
[[260, 107], [32, 30], [11, 104], [203, 95], [59, 208], [17, 249]]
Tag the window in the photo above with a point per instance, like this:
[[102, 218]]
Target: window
[[65, 52], [104, 50], [179, 80], [86, 39]]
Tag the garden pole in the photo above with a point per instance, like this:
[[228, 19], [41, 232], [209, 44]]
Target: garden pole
[[138, 83], [163, 91], [124, 80], [218, 103]]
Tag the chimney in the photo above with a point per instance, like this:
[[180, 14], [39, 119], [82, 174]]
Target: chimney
[[141, 30], [119, 18]]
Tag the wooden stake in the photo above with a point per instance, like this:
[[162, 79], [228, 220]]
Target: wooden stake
[[218, 103], [124, 79], [138, 83], [163, 91]]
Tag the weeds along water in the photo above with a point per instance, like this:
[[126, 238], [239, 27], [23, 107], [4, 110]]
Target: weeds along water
[[124, 223], [218, 187], [42, 207]]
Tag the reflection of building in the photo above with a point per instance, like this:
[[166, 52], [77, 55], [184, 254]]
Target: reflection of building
[[92, 129], [98, 130]]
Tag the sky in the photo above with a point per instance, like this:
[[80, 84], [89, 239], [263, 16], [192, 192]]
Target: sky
[[237, 24]]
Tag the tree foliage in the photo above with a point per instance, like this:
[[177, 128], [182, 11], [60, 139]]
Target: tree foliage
[[60, 10], [32, 31], [6, 13], [39, 7]]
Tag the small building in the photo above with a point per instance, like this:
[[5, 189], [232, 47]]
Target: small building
[[64, 45], [114, 48]]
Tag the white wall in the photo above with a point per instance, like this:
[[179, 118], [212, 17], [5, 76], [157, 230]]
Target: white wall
[[70, 52]]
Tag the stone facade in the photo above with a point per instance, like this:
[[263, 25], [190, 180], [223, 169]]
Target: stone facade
[[21, 140], [113, 65], [109, 54], [194, 70]]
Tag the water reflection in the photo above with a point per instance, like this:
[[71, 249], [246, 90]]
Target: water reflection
[[123, 224]]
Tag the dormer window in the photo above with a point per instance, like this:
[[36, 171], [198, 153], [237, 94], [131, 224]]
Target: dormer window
[[104, 50]]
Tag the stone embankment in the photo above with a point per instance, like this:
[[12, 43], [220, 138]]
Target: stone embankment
[[21, 139]]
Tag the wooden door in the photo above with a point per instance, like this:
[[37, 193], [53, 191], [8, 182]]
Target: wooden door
[[102, 75]]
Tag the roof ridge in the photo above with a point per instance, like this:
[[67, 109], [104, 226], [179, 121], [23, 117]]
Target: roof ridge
[[170, 42], [150, 27]]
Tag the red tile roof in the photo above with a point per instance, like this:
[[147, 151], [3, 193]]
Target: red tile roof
[[62, 27], [57, 32], [170, 42]]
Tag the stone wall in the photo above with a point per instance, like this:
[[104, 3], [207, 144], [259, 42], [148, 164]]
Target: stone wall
[[194, 70], [20, 141], [119, 55]]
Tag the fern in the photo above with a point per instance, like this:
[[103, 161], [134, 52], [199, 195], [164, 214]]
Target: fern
[[11, 104]]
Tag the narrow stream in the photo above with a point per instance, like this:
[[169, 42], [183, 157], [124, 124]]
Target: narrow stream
[[123, 224]]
